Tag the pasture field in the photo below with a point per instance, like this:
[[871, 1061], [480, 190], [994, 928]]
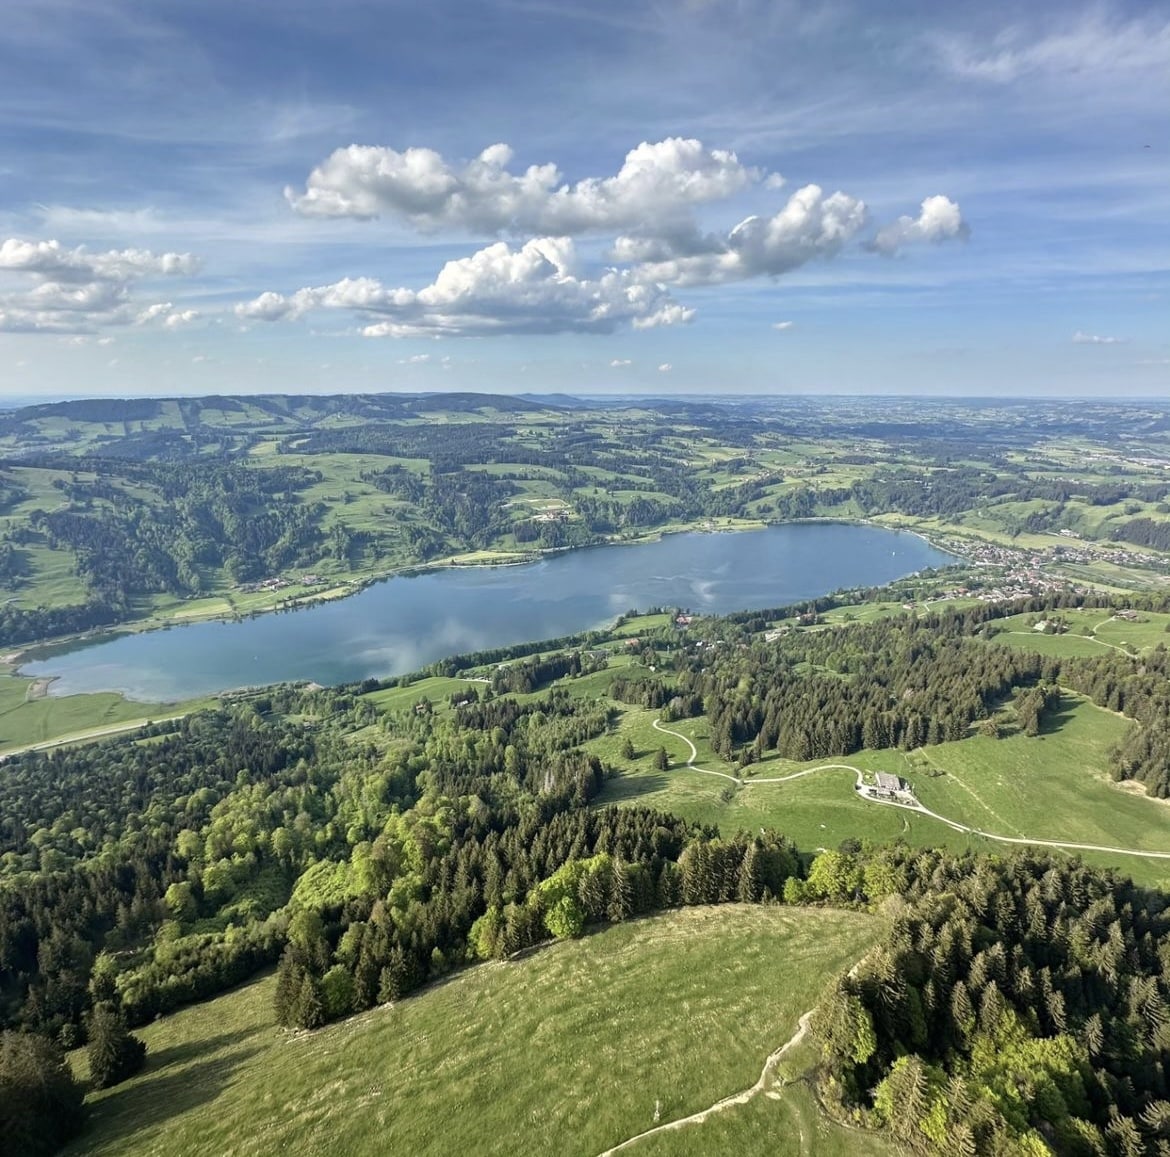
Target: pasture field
[[438, 689], [568, 1050], [27, 721], [1049, 787], [1090, 632], [817, 811], [781, 1123]]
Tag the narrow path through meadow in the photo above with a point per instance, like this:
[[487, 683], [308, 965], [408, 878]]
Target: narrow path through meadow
[[740, 1098], [102, 732]]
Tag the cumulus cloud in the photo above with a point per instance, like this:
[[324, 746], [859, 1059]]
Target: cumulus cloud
[[70, 290], [665, 368], [620, 363], [782, 325], [153, 313], [1081, 338], [939, 220], [657, 182], [810, 225], [165, 313], [530, 289], [648, 206], [51, 259], [268, 306]]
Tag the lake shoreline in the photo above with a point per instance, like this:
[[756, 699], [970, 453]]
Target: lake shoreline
[[444, 610], [45, 648]]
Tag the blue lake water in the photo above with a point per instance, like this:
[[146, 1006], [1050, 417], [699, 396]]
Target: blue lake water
[[405, 623]]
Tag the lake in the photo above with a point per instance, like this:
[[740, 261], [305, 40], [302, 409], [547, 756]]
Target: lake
[[405, 623]]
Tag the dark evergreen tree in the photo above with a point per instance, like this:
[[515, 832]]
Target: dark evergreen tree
[[40, 1101], [113, 1051]]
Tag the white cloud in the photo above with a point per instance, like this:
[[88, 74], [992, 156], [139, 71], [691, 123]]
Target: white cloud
[[268, 306], [415, 360], [531, 289], [51, 259], [76, 290], [620, 363], [665, 368], [939, 220], [1080, 338], [1090, 44], [782, 325], [810, 225], [165, 312], [657, 182], [153, 313]]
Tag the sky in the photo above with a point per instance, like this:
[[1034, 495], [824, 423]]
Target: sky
[[612, 196]]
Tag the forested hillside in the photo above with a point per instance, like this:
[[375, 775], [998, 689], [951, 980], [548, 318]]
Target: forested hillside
[[1018, 1006], [371, 839]]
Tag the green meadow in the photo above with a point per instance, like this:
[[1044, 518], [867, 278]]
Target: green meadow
[[1053, 786], [569, 1050], [26, 720]]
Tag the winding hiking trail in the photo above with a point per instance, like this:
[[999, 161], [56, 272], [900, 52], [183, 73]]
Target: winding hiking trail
[[863, 791], [731, 1101]]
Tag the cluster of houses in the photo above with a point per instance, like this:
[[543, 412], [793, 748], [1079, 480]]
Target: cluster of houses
[[280, 584]]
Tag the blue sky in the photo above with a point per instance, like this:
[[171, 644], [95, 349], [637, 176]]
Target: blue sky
[[678, 196]]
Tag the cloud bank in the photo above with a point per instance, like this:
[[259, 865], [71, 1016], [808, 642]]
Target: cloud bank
[[533, 289], [60, 290], [537, 286], [420, 187]]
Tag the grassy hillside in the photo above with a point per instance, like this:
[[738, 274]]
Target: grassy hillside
[[1053, 787], [566, 1051]]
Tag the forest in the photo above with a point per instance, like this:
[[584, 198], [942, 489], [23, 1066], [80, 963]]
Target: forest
[[1014, 1006], [366, 853]]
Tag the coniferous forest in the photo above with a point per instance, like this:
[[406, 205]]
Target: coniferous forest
[[1015, 1003]]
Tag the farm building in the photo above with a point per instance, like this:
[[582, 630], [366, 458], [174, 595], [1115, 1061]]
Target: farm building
[[890, 783]]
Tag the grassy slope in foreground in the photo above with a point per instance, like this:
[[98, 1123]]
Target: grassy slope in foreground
[[563, 1052]]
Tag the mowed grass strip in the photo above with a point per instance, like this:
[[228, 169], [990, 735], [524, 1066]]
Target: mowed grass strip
[[567, 1051]]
